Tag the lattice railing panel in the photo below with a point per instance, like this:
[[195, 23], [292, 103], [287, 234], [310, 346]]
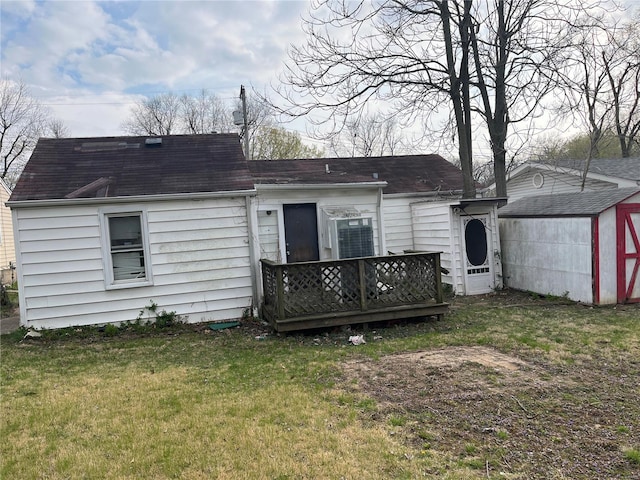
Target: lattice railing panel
[[269, 285], [404, 280]]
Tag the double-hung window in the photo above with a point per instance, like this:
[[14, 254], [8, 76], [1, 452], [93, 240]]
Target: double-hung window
[[127, 262]]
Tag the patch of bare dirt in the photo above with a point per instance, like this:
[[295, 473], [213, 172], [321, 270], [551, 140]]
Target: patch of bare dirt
[[449, 358], [415, 380], [509, 416]]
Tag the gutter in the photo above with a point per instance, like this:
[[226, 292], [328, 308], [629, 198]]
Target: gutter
[[319, 186], [432, 193], [131, 199]]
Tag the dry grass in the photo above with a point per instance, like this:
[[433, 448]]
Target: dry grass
[[552, 385], [174, 423]]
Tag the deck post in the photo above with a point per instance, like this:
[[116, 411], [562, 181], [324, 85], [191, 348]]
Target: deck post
[[363, 285], [280, 292], [439, 293]]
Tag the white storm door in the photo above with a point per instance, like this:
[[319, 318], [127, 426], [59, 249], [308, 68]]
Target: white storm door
[[477, 255]]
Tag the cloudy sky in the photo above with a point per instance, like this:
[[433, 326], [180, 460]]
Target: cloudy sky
[[90, 61]]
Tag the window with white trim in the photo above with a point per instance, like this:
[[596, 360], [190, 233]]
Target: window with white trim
[[127, 249]]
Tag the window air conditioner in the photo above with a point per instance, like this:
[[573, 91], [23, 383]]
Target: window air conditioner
[[349, 237]]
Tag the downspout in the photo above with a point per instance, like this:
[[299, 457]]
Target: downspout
[[256, 284], [381, 230]]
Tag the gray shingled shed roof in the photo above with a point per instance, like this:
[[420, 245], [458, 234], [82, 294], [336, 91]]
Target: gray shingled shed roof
[[628, 168], [581, 204]]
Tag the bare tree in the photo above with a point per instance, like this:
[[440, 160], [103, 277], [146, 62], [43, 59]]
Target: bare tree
[[586, 87], [601, 86], [158, 115], [494, 59], [368, 135], [623, 73], [169, 113], [22, 121], [205, 113], [57, 128]]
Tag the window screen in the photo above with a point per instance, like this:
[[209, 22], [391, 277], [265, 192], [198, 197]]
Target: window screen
[[127, 249]]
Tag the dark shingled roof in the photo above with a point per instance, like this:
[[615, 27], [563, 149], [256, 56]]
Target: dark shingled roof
[[585, 204], [174, 164], [126, 166], [403, 174]]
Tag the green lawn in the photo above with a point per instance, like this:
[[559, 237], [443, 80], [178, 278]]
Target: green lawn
[[188, 402]]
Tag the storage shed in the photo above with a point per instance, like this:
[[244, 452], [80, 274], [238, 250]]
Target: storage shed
[[583, 245]]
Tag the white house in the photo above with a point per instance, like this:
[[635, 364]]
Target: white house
[[412, 203], [566, 176], [7, 249], [583, 245], [105, 226]]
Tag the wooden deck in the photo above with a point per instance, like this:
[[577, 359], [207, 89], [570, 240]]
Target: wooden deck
[[306, 295]]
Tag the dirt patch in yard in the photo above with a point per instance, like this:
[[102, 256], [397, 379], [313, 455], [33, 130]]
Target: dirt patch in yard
[[412, 380], [504, 415]]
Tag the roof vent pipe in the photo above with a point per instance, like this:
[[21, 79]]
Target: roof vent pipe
[[326, 168]]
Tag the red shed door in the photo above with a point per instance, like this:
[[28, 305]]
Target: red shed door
[[628, 248]]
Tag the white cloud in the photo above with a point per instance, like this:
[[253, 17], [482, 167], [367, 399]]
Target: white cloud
[[65, 50], [92, 115]]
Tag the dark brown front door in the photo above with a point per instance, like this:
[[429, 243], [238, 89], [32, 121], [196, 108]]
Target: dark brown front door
[[301, 232]]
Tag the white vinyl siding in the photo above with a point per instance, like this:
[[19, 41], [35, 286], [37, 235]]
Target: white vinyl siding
[[199, 255], [553, 182], [268, 235], [434, 231], [397, 223]]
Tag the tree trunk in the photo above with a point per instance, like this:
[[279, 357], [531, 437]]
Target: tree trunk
[[459, 95]]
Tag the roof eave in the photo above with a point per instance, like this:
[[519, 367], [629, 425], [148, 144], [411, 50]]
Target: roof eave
[[539, 215], [317, 186], [430, 193], [129, 199]]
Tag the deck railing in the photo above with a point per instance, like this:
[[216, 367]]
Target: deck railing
[[389, 286]]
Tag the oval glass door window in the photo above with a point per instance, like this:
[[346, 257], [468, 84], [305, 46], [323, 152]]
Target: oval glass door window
[[475, 239]]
